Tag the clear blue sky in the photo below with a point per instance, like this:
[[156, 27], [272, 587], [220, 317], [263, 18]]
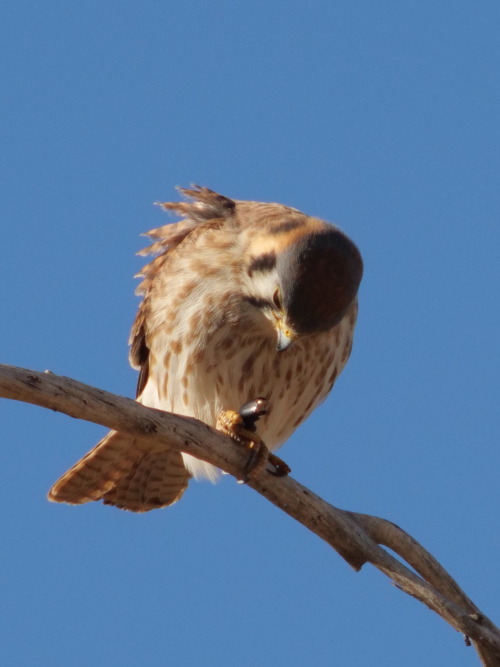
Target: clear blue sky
[[380, 116]]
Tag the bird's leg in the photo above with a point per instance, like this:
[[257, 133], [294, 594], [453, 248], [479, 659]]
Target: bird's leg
[[240, 426]]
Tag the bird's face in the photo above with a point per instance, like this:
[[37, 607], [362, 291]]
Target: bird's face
[[270, 303], [305, 286]]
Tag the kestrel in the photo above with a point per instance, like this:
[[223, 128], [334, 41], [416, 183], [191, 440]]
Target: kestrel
[[243, 300]]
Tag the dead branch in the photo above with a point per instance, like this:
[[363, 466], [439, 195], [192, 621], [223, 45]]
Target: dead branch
[[356, 537]]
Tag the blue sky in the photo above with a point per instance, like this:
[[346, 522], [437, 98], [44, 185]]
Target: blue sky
[[381, 117]]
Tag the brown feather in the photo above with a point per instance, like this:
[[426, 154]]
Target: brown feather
[[204, 338]]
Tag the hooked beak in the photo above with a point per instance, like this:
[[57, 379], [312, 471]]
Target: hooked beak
[[285, 336]]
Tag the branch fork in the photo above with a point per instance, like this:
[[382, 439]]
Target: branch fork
[[358, 538]]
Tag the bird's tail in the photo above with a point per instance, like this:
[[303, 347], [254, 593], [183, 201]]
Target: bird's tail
[[121, 473]]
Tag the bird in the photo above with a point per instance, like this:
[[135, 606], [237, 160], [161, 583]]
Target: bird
[[246, 305]]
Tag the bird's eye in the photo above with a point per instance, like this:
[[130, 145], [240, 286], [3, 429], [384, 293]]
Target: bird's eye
[[277, 299]]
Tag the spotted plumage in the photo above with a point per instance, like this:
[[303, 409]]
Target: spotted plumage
[[242, 299]]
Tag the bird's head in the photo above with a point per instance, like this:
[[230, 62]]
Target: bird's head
[[305, 282]]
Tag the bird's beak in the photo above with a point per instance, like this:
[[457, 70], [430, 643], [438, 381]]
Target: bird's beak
[[285, 336]]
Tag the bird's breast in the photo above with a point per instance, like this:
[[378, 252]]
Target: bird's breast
[[238, 366]]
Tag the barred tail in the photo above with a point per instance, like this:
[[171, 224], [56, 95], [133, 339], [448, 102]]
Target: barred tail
[[120, 473]]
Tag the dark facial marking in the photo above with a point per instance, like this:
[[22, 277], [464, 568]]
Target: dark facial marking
[[257, 302], [284, 227], [265, 262]]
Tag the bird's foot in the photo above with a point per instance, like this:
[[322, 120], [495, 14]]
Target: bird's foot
[[236, 427], [240, 426]]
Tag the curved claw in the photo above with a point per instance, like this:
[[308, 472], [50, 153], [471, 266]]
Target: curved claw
[[240, 426], [281, 469], [252, 411]]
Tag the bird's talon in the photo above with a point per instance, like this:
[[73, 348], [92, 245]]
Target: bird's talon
[[282, 469], [240, 426], [256, 461], [252, 411]]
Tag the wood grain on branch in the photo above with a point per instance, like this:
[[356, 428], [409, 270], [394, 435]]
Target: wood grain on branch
[[358, 538]]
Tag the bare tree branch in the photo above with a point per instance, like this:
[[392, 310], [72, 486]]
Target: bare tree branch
[[356, 537]]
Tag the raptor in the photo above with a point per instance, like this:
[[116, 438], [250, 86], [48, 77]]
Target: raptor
[[243, 301]]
